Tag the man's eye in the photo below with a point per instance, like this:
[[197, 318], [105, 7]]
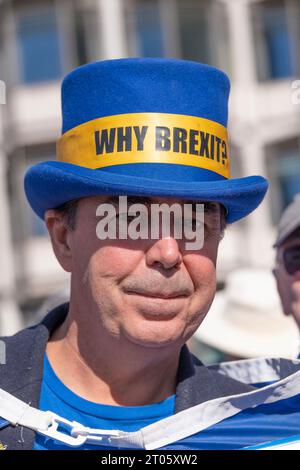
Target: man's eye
[[194, 224]]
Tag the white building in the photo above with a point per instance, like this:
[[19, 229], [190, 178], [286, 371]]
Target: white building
[[255, 41]]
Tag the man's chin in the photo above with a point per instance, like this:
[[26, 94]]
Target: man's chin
[[155, 333], [157, 309], [153, 343]]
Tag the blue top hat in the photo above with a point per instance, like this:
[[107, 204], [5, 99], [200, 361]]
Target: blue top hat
[[147, 127]]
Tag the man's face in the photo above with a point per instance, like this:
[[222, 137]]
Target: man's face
[[150, 292], [289, 284]]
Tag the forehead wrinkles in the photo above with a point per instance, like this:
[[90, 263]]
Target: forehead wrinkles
[[211, 209]]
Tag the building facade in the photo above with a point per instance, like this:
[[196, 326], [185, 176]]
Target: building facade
[[255, 41]]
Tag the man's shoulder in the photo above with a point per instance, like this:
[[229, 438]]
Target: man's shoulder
[[18, 339], [197, 383], [21, 371], [18, 356], [22, 353], [226, 384]]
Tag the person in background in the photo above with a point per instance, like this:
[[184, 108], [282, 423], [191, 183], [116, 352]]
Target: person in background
[[287, 265]]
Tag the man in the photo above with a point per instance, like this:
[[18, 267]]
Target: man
[[111, 366], [287, 269]]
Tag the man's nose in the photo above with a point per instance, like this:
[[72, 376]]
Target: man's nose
[[165, 251]]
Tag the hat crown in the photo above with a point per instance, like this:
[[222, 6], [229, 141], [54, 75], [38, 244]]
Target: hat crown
[[144, 85]]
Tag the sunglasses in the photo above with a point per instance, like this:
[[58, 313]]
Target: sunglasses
[[291, 259]]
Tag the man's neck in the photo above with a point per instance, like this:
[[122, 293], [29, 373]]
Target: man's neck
[[109, 370]]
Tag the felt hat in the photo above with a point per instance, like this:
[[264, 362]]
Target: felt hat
[[144, 127]]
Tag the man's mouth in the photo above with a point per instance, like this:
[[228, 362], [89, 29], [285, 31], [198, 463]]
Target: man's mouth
[[158, 295]]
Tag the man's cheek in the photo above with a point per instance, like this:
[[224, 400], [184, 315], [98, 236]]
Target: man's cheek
[[204, 274], [104, 262]]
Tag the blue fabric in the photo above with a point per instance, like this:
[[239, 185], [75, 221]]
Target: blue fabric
[[142, 85], [55, 396], [3, 423], [250, 427]]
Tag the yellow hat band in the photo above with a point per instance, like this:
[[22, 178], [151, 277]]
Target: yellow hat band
[[147, 138]]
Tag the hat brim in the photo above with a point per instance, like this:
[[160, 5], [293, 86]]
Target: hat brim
[[52, 183]]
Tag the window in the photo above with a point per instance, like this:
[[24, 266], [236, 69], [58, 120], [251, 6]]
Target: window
[[86, 32], [193, 20], [54, 37], [283, 162], [149, 28], [144, 25], [38, 43], [275, 38], [25, 223], [187, 29], [34, 226]]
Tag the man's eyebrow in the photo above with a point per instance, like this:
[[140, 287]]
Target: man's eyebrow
[[209, 206], [130, 200]]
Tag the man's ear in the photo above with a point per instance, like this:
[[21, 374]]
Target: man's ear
[[60, 235]]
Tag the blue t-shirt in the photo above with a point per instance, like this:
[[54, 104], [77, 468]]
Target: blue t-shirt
[[56, 397]]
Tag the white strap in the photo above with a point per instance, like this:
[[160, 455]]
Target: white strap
[[17, 412], [257, 370], [154, 436]]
